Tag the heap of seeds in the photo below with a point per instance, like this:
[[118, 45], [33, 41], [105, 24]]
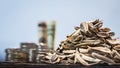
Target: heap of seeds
[[90, 44]]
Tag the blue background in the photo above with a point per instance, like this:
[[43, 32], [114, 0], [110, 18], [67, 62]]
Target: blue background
[[19, 18]]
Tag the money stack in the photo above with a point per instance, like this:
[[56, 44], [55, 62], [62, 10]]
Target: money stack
[[51, 34], [43, 47], [31, 49], [43, 42], [16, 55], [9, 54]]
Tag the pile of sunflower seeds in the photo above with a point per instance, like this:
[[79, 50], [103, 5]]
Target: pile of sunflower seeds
[[90, 44]]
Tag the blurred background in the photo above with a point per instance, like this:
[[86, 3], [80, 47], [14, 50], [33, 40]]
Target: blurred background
[[19, 18]]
